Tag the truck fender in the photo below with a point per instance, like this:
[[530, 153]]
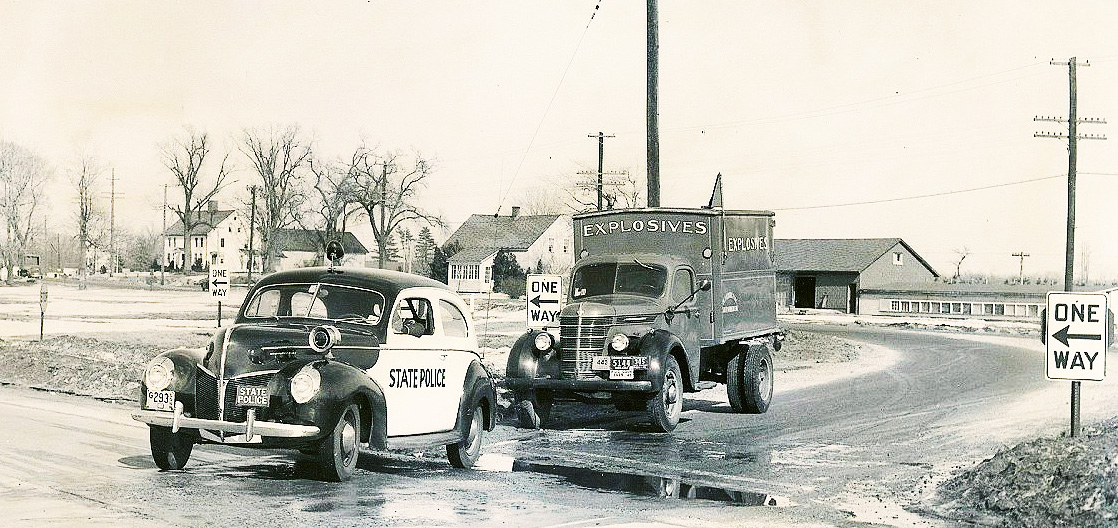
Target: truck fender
[[477, 389], [657, 345], [523, 361]]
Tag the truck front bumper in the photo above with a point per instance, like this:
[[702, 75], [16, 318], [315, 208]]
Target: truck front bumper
[[580, 385], [250, 427]]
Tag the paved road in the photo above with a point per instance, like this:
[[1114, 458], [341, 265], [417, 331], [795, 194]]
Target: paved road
[[821, 456]]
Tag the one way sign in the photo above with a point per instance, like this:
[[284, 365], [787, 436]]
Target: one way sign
[[219, 282], [1076, 328], [543, 299]]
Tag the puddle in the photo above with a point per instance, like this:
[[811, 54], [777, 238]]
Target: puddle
[[632, 483]]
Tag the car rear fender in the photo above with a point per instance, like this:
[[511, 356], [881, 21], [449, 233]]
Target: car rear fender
[[477, 389]]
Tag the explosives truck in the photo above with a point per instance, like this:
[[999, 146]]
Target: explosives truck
[[661, 302]]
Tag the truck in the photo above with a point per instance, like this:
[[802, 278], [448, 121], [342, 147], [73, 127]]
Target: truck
[[662, 302]]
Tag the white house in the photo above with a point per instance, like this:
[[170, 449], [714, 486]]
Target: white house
[[536, 241], [219, 239]]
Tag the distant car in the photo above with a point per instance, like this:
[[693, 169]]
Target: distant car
[[327, 361]]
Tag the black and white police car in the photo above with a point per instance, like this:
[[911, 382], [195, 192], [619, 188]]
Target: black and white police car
[[327, 360]]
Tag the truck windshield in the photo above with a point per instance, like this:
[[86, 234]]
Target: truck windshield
[[612, 277]]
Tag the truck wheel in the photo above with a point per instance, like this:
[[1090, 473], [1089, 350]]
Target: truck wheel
[[735, 379], [337, 453], [757, 377], [533, 412], [170, 450], [666, 406], [465, 452]]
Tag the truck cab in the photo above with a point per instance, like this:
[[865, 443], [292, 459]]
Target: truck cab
[[661, 302]]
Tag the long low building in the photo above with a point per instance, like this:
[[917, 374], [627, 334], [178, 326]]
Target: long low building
[[982, 301]]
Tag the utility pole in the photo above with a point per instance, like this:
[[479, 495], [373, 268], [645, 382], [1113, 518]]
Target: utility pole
[[251, 231], [1069, 254], [1021, 271], [601, 159], [652, 71], [163, 257], [112, 222]]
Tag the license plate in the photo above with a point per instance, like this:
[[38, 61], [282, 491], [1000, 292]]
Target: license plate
[[252, 396], [161, 400], [619, 363], [626, 374]]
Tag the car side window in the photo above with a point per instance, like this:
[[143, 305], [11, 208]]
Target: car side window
[[265, 305], [682, 285], [413, 316], [454, 323]]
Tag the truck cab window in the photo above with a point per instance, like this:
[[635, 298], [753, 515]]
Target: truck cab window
[[606, 278], [682, 285]]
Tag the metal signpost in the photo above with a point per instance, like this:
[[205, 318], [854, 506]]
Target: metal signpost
[[1075, 326], [219, 287], [543, 300], [42, 308]]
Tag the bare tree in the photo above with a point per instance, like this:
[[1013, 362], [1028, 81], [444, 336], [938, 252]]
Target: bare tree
[[388, 192], [574, 193], [23, 175], [85, 178], [278, 156], [962, 255], [185, 157], [327, 210]]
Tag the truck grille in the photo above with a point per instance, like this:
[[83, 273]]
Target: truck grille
[[206, 395], [580, 339]]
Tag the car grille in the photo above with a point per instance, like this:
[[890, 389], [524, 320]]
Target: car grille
[[580, 339], [206, 395]]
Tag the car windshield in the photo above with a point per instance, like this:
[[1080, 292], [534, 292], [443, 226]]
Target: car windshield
[[317, 301], [612, 277]]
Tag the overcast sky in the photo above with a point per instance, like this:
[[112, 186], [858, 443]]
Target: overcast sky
[[902, 109]]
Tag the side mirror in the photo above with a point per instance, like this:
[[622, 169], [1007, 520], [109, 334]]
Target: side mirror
[[704, 285]]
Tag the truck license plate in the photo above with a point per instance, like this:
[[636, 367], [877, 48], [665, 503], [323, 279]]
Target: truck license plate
[[161, 400], [619, 362], [252, 396]]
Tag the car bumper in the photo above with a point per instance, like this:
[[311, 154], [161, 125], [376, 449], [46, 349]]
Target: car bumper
[[250, 427], [580, 385]]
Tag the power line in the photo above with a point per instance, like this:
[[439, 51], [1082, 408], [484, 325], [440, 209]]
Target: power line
[[917, 197]]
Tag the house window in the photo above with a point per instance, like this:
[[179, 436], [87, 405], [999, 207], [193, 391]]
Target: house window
[[464, 271], [488, 274], [551, 244], [898, 258], [566, 245], [223, 242]]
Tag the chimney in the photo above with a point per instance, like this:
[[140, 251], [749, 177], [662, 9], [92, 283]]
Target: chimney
[[515, 211], [213, 206]]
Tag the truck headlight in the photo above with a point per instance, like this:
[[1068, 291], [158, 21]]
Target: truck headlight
[[160, 373], [305, 384], [619, 342], [543, 341]]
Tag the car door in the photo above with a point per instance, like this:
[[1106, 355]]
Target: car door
[[419, 369]]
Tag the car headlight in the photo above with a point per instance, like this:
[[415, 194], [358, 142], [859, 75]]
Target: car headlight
[[543, 341], [305, 384], [160, 374], [619, 342]]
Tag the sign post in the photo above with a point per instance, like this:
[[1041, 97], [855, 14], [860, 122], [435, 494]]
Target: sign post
[[42, 308], [219, 288], [1075, 326], [543, 299]]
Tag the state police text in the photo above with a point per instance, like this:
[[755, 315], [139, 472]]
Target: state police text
[[416, 378]]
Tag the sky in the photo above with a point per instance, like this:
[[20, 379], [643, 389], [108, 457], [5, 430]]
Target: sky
[[848, 119]]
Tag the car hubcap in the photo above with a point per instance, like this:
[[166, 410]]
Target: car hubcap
[[349, 441]]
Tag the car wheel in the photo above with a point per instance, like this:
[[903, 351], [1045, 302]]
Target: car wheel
[[337, 453], [170, 450], [735, 379], [666, 406], [757, 374], [465, 452]]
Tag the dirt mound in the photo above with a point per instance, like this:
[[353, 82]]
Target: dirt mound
[[1042, 483]]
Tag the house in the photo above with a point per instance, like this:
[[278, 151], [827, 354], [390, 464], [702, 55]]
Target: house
[[300, 248], [541, 242], [219, 239], [831, 273]]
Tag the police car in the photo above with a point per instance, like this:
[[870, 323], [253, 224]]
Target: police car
[[329, 361]]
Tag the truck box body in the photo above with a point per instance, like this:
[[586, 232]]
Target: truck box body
[[732, 249]]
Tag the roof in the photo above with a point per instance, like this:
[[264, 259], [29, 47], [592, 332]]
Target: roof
[[385, 281], [473, 255], [963, 288], [209, 219], [310, 240], [836, 254], [516, 233]]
